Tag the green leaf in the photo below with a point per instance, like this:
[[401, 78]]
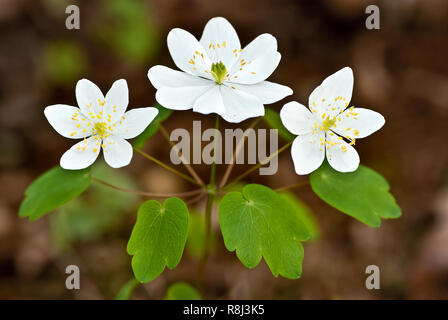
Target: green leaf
[[125, 292], [182, 291], [53, 189], [363, 194], [272, 118], [303, 213], [257, 223], [151, 130], [158, 237]]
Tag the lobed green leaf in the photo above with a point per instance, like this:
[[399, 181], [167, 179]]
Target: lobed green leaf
[[158, 238], [258, 223], [53, 189], [363, 194], [303, 213]]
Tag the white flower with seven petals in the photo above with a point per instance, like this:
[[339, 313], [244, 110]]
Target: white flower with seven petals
[[218, 76], [329, 127], [102, 124]]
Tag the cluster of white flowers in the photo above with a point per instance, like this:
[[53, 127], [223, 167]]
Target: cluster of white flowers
[[218, 77]]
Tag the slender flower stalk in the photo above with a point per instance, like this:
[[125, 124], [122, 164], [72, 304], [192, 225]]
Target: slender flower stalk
[[293, 186], [208, 210], [236, 153], [262, 163], [167, 167], [182, 158], [150, 194]]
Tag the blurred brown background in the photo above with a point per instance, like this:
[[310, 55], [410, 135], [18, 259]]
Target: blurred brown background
[[400, 71]]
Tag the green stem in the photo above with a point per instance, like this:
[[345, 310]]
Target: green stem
[[236, 153], [208, 211], [183, 160], [262, 163], [167, 167], [292, 186], [208, 223], [150, 194]]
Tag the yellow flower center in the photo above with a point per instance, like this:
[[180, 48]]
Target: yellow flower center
[[219, 72], [100, 128], [328, 123]]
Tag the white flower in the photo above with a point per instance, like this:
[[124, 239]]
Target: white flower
[[325, 129], [101, 122], [219, 77]]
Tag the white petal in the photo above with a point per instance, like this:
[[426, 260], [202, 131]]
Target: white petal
[[258, 70], [341, 156], [82, 154], [263, 44], [68, 121], [117, 151], [267, 92], [181, 98], [334, 94], [134, 122], [221, 41], [262, 49], [297, 118], [358, 123], [161, 76], [89, 96], [188, 54], [210, 102], [307, 152], [240, 105], [117, 100]]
